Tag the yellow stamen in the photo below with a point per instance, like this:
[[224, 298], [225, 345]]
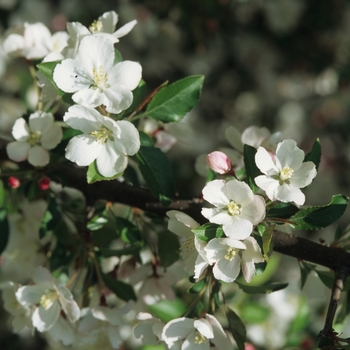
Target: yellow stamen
[[48, 299], [200, 338], [100, 79], [231, 253], [34, 138], [285, 174], [102, 135], [234, 208], [96, 26]]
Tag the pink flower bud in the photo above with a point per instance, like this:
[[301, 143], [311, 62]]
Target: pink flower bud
[[44, 183], [219, 162], [249, 347], [13, 182]]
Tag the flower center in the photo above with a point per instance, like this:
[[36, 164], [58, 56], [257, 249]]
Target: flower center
[[100, 79], [187, 244], [96, 26], [34, 138], [103, 135], [234, 208], [231, 253], [199, 338], [285, 174], [48, 299]]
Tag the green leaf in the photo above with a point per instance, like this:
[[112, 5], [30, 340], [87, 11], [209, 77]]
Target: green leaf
[[130, 250], [93, 175], [4, 230], [121, 289], [208, 231], [254, 312], [138, 96], [237, 328], [128, 232], [327, 278], [168, 310], [315, 218], [252, 170], [264, 289], [2, 194], [315, 154], [157, 172], [168, 248], [305, 269], [47, 68], [172, 102], [198, 287], [266, 242], [282, 211], [117, 57], [145, 140]]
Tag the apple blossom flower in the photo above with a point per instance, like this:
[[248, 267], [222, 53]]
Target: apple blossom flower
[[149, 330], [192, 248], [236, 207], [227, 255], [284, 173], [34, 41], [50, 297], [187, 333], [219, 162], [107, 141], [103, 26], [33, 140], [94, 78]]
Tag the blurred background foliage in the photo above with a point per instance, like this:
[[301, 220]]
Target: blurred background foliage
[[283, 64]]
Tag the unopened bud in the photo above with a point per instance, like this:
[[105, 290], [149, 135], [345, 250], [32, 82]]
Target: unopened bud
[[13, 182], [249, 347], [219, 162], [44, 183]]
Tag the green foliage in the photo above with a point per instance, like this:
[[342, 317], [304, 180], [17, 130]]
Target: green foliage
[[208, 231], [167, 310], [172, 102], [157, 172], [263, 289], [198, 287], [121, 289], [282, 211], [93, 175], [47, 69], [252, 171], [237, 328], [315, 154], [4, 230], [317, 217], [168, 248]]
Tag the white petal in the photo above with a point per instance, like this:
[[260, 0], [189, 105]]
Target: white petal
[[62, 331], [38, 156], [221, 340], [286, 194], [13, 45], [42, 276], [20, 130], [254, 136], [52, 137], [217, 216], [288, 154], [83, 149], [125, 29], [304, 175], [129, 140], [181, 223], [114, 337], [44, 319], [29, 295], [204, 327], [239, 192], [214, 193], [226, 270], [233, 136], [18, 151], [109, 161], [269, 185], [255, 212], [265, 163], [39, 121], [71, 76], [90, 97], [71, 309], [109, 21], [177, 329], [85, 119], [126, 73], [117, 98], [239, 228]]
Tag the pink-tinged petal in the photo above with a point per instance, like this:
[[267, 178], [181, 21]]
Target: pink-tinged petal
[[129, 140], [287, 194], [95, 52], [52, 137], [18, 151], [267, 184], [214, 193], [71, 76], [38, 156], [219, 162], [126, 73], [227, 270], [114, 337], [220, 340], [239, 192], [44, 319], [117, 98], [288, 154], [304, 176], [90, 97], [29, 295], [83, 149], [177, 329], [20, 130], [39, 121], [83, 118], [125, 29], [239, 228], [254, 212], [265, 163], [109, 162], [109, 21]]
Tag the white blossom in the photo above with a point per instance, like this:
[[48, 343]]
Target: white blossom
[[107, 141], [191, 248], [284, 173], [33, 140], [149, 329], [227, 255], [236, 207], [187, 333], [50, 297], [94, 78]]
